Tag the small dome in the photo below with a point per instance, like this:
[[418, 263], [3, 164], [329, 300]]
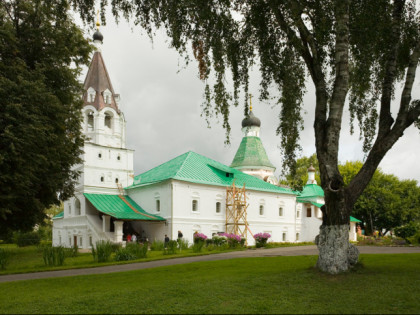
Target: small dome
[[251, 120], [311, 168], [98, 36]]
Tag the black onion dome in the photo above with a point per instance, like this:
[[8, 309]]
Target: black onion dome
[[251, 120], [98, 36]]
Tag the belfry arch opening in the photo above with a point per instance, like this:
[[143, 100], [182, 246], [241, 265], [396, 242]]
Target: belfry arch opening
[[90, 121], [108, 120]]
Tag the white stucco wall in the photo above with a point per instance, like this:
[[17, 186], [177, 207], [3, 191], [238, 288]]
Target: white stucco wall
[[206, 220]]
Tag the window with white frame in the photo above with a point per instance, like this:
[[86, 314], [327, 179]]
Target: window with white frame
[[157, 205], [218, 207], [107, 96], [81, 241], [90, 241], [308, 212], [261, 209], [284, 235], [91, 93], [281, 213], [297, 236], [69, 208], [297, 214], [194, 205], [77, 210]]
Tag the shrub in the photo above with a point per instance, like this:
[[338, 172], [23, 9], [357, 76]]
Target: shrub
[[199, 237], [4, 258], [261, 239], [209, 241], [72, 251], [198, 246], [137, 250], [123, 254], [157, 245], [233, 240], [407, 230], [27, 239], [219, 240], [182, 243], [103, 251], [171, 248], [54, 256], [415, 239]]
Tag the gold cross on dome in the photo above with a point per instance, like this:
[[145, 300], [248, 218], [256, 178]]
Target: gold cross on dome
[[250, 102], [97, 20]]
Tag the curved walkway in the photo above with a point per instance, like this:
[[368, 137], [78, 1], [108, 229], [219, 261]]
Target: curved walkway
[[262, 252]]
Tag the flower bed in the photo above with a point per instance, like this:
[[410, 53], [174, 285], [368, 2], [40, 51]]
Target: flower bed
[[261, 239]]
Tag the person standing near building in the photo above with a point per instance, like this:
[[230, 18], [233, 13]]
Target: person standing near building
[[166, 240], [134, 238], [128, 238]]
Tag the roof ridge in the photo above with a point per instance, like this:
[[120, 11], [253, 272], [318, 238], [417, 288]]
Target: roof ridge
[[183, 162]]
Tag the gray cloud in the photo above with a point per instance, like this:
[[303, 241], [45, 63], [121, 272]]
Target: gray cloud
[[162, 108]]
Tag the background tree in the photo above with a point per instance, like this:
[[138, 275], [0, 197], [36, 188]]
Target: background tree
[[41, 54], [299, 177], [350, 48], [386, 202]]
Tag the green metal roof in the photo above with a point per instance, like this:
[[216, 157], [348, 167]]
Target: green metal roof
[[195, 168], [311, 191], [319, 205], [353, 219], [120, 207], [251, 152], [59, 216]]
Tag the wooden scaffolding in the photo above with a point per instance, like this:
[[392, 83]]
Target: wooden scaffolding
[[236, 209]]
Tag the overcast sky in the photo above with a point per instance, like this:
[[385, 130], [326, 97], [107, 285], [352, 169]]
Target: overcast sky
[[161, 101]]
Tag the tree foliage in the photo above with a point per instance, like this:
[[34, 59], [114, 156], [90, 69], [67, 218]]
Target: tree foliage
[[41, 54], [385, 204], [299, 177], [356, 49]]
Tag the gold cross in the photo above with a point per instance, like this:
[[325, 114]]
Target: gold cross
[[97, 20], [250, 102]]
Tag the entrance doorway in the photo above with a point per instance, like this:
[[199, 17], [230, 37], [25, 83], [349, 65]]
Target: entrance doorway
[[75, 241]]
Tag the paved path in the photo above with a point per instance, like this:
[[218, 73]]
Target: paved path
[[262, 252]]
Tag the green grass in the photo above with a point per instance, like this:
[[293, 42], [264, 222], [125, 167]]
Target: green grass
[[29, 259], [383, 284]]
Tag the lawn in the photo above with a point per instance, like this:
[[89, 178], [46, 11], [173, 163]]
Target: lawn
[[29, 259], [266, 285]]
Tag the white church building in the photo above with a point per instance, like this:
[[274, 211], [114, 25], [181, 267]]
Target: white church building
[[187, 193]]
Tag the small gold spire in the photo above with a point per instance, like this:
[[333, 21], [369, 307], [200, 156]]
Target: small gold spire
[[97, 20], [250, 102]]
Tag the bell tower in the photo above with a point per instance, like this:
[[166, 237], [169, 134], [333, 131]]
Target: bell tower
[[107, 163]]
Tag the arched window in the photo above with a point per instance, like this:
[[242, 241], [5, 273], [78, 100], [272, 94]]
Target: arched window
[[195, 205], [90, 121], [76, 207], [91, 93], [108, 120], [281, 211], [218, 207], [261, 209]]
